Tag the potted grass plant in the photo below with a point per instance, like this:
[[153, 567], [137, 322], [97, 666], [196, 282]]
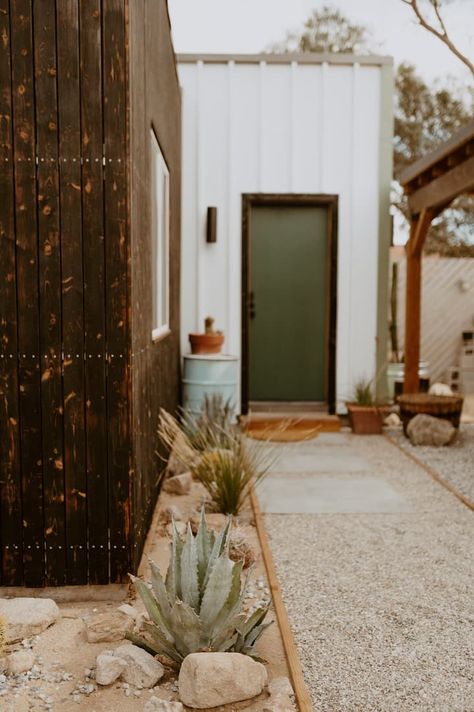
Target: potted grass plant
[[365, 417], [209, 342]]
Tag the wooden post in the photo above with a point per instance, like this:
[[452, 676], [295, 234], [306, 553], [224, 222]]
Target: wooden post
[[418, 231]]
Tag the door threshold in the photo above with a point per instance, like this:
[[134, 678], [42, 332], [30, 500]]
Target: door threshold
[[286, 407]]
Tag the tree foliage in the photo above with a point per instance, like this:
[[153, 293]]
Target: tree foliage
[[327, 30], [424, 117]]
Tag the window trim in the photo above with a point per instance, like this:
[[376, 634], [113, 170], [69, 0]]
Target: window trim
[[160, 330]]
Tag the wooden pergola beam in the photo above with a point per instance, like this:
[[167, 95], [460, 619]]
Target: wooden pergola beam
[[418, 231], [443, 189]]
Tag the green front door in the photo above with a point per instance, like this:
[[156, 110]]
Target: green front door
[[288, 315]]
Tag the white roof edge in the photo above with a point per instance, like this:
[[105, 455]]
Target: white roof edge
[[287, 58]]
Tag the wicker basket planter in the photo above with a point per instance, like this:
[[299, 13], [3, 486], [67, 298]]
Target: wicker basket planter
[[445, 407]]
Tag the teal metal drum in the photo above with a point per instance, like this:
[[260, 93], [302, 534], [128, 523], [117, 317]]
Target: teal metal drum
[[209, 376]]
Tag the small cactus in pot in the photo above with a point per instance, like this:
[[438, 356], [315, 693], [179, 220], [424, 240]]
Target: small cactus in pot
[[209, 342], [198, 606]]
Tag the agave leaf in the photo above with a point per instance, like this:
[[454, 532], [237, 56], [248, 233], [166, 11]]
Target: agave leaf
[[255, 634], [227, 644], [228, 610], [187, 628], [256, 618], [217, 591], [160, 642], [228, 631], [218, 548], [159, 589], [203, 544], [173, 579], [152, 607], [189, 572]]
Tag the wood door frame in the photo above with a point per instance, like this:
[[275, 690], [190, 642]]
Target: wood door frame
[[330, 202]]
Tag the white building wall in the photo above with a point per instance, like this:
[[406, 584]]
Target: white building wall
[[281, 128]]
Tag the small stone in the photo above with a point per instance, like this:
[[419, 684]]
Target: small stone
[[392, 420], [179, 484], [440, 389], [109, 668], [27, 617], [427, 430], [234, 677], [20, 661], [156, 704], [108, 627], [141, 668], [129, 611]]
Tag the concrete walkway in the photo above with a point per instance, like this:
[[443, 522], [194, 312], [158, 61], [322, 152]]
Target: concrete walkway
[[375, 562]]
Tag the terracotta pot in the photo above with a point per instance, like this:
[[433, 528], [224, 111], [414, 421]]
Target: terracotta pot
[[364, 419], [206, 343]]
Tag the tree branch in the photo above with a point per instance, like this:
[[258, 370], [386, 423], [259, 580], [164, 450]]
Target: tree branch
[[443, 35]]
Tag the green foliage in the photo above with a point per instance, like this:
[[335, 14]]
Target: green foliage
[[363, 393], [228, 474], [198, 606], [326, 30]]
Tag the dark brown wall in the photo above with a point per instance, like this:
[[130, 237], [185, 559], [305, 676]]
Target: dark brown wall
[[78, 374], [154, 101]]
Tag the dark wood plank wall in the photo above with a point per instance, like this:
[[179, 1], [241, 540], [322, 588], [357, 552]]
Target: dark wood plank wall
[[154, 101], [65, 451]]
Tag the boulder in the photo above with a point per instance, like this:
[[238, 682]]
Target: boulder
[[20, 661], [179, 484], [214, 679], [141, 668], [108, 627], [281, 696], [427, 430], [109, 667], [26, 617], [155, 704]]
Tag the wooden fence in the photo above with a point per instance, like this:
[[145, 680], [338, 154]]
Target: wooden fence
[[66, 455]]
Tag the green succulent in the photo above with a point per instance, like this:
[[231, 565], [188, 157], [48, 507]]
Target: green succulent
[[198, 606]]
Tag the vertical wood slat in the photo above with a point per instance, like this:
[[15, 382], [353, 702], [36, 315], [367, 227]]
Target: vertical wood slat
[[116, 245], [50, 288], [72, 289], [11, 567], [27, 291], [94, 288]]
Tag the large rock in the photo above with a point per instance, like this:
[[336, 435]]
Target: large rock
[[108, 627], [427, 430], [213, 679], [26, 617], [20, 661], [156, 704], [179, 484], [281, 696], [109, 667], [141, 669]]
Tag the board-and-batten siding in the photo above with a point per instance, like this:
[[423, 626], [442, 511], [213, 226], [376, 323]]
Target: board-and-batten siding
[[447, 309], [282, 128]]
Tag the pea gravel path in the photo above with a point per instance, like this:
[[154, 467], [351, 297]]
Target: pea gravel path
[[381, 604], [455, 463]]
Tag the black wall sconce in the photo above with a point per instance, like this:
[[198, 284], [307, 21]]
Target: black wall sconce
[[211, 233]]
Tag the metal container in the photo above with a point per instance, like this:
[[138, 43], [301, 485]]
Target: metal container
[[209, 375]]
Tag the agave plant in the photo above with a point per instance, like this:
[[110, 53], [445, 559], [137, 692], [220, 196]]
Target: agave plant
[[198, 606]]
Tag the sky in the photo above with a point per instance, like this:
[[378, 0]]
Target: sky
[[247, 26]]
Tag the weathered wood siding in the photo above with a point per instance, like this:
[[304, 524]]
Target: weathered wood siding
[[154, 102], [78, 371]]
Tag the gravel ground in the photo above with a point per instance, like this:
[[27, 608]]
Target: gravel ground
[[455, 463], [382, 604]]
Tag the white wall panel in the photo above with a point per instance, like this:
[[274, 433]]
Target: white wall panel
[[281, 128]]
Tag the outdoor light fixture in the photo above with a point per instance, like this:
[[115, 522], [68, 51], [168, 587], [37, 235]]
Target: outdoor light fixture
[[211, 234]]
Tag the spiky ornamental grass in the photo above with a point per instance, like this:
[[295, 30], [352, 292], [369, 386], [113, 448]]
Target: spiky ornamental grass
[[198, 606]]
